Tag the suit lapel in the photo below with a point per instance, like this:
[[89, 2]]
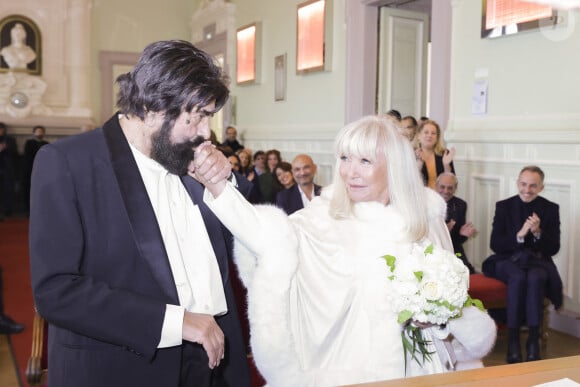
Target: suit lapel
[[141, 215]]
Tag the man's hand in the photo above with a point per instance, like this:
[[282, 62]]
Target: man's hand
[[532, 224], [211, 168], [203, 329], [468, 230]]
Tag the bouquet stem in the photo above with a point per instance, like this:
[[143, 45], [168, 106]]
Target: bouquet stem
[[415, 344]]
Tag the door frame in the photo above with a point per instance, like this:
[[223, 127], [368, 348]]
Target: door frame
[[361, 55]]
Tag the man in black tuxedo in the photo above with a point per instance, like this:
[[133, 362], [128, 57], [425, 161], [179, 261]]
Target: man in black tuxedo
[[300, 194], [128, 265], [459, 229], [525, 236]]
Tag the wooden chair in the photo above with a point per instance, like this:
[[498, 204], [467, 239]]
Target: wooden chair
[[493, 294], [36, 369]]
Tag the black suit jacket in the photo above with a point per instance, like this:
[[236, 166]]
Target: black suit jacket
[[456, 210], [100, 272], [289, 199], [508, 221]]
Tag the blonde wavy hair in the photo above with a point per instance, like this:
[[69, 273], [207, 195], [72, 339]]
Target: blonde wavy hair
[[368, 137], [439, 148]]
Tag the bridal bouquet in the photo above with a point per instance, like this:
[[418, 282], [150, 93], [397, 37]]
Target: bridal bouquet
[[429, 287]]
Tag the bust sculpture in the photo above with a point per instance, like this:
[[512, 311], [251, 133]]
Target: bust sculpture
[[18, 54]]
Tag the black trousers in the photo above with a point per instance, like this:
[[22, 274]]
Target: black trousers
[[526, 288], [195, 371]]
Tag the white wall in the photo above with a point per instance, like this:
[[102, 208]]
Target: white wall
[[533, 117]]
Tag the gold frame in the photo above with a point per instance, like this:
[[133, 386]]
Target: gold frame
[[33, 40]]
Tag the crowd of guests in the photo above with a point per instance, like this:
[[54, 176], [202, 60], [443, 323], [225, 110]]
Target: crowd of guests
[[286, 184]]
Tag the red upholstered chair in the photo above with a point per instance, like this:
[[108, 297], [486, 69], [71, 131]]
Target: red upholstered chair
[[493, 294]]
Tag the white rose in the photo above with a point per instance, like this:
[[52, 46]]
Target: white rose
[[431, 290]]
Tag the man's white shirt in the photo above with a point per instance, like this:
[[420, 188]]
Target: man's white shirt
[[191, 257]]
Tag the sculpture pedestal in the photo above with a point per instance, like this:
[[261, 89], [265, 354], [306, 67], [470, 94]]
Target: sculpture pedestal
[[21, 95]]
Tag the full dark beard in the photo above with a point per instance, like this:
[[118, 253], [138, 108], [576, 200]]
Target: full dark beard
[[174, 157]]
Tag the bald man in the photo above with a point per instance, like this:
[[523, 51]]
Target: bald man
[[300, 194], [459, 229]]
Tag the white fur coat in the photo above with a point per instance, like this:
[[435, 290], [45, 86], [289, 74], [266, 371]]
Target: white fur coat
[[317, 292]]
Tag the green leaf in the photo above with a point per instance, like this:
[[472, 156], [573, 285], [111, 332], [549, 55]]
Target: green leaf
[[418, 275], [404, 315], [390, 261], [429, 249], [474, 302]]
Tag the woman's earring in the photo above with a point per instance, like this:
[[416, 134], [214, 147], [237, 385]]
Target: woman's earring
[[187, 122]]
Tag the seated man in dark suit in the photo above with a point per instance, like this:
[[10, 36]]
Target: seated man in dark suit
[[525, 236], [459, 230], [300, 194]]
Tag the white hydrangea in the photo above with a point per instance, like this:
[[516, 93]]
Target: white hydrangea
[[429, 285]]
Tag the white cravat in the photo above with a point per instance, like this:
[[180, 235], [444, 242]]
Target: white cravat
[[191, 256]]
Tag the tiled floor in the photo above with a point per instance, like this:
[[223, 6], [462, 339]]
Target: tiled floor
[[559, 345]]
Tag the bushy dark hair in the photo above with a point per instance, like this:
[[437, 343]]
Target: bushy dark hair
[[171, 76]]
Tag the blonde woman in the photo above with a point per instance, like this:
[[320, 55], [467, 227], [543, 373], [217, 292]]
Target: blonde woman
[[432, 157]]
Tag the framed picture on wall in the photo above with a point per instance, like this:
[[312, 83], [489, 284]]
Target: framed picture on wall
[[280, 78], [502, 18], [248, 53], [310, 36]]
